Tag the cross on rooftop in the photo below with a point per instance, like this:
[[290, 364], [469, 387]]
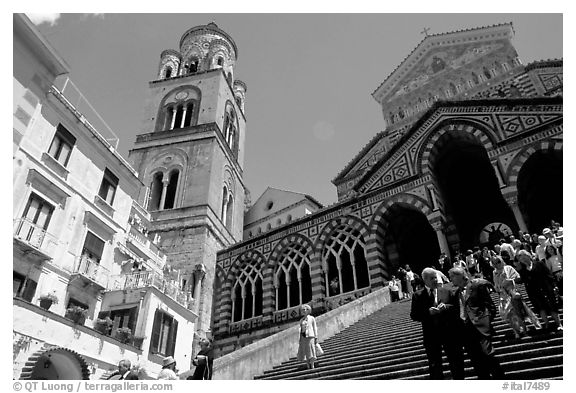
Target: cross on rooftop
[[425, 31]]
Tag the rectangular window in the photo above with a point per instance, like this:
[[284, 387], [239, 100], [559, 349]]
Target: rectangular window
[[108, 187], [35, 220], [93, 247], [23, 287], [164, 333], [62, 145]]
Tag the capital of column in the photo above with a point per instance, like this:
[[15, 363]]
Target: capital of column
[[438, 225], [511, 200], [199, 271]]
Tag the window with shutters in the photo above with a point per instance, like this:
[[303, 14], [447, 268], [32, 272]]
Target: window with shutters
[[62, 145], [35, 220], [108, 187], [164, 331], [23, 287]]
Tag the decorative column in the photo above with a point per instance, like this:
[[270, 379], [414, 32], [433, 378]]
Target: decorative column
[[512, 201], [496, 167], [165, 183], [439, 227], [183, 116], [174, 111], [199, 274]]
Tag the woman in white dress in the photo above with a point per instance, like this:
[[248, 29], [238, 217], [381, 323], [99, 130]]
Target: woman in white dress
[[308, 337]]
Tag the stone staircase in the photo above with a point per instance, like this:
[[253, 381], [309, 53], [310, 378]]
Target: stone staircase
[[387, 344]]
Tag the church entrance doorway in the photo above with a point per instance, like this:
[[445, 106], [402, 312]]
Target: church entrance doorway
[[469, 188], [540, 189], [409, 239]]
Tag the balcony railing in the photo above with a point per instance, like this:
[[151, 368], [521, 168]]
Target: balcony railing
[[136, 236], [150, 279], [91, 269], [35, 236]]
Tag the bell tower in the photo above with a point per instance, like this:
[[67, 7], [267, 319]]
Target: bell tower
[[190, 155]]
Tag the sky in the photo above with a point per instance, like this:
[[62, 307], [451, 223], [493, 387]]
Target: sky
[[310, 77]]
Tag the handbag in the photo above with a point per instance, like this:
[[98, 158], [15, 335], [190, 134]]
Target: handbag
[[319, 350]]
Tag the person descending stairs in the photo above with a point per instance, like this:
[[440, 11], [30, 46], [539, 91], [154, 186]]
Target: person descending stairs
[[387, 344]]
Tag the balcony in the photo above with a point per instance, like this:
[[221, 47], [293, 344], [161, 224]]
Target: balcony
[[34, 241], [144, 246], [151, 279], [90, 272]]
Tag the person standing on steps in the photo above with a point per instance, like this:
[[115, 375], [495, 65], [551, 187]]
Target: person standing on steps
[[476, 312], [436, 308], [308, 337]]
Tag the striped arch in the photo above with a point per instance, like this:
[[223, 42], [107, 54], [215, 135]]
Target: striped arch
[[375, 246], [524, 155], [292, 240], [448, 131], [251, 256]]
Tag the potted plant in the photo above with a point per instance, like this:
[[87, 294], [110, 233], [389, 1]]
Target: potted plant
[[47, 300], [77, 314], [103, 325], [124, 335], [137, 341]]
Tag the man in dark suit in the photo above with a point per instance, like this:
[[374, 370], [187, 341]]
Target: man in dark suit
[[124, 371], [436, 307], [476, 311]]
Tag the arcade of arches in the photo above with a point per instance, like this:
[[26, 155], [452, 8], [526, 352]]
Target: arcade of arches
[[463, 179]]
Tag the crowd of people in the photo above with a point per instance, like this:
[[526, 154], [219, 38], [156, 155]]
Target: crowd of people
[[457, 313], [202, 361]]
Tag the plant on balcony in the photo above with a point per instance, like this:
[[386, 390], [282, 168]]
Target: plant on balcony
[[76, 314], [47, 300], [137, 341], [103, 325], [124, 335]]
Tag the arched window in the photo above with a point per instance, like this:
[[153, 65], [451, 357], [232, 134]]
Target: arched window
[[292, 278], [168, 117], [289, 218], [155, 192], [168, 72], [188, 114], [486, 73], [268, 226], [475, 79], [220, 61], [344, 262], [229, 211], [229, 78], [238, 102], [178, 117], [247, 294], [193, 66], [171, 190]]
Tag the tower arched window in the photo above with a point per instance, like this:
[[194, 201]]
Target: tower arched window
[[179, 117], [188, 114], [227, 211], [193, 67], [163, 193], [168, 72], [247, 294], [220, 61], [155, 191], [292, 278], [344, 262], [170, 198]]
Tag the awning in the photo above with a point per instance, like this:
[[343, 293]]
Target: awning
[[55, 363]]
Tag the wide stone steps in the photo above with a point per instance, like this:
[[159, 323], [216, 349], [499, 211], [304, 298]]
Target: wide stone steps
[[388, 345]]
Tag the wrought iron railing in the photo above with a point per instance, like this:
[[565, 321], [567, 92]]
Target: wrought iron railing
[[91, 269], [34, 235]]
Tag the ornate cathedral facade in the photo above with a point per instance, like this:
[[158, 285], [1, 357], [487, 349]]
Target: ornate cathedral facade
[[471, 151]]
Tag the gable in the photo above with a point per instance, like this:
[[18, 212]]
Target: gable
[[271, 201]]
